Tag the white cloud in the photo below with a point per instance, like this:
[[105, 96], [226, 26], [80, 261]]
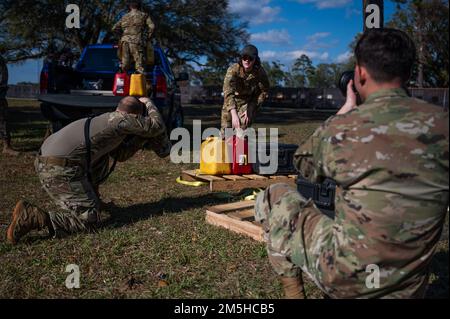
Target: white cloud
[[268, 55], [317, 36], [350, 12], [272, 36], [255, 11], [344, 57], [319, 40], [327, 4], [289, 56]]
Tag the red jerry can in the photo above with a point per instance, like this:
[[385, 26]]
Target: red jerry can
[[121, 84], [240, 163]]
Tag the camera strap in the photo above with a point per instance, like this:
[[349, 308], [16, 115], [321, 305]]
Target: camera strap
[[322, 194], [87, 141]]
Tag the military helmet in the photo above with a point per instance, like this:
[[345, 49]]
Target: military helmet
[[250, 50]]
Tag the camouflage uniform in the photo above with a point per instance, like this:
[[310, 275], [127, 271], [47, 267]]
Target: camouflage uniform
[[4, 132], [243, 92], [132, 43], [68, 184], [390, 159]]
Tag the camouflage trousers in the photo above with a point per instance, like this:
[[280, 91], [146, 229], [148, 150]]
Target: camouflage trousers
[[226, 119], [301, 239], [4, 130], [294, 230], [132, 51], [71, 191]]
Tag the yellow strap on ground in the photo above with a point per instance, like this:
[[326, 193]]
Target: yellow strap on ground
[[253, 196], [194, 184], [250, 197]]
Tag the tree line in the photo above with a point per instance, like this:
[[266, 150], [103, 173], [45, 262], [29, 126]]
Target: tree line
[[206, 34], [425, 21]]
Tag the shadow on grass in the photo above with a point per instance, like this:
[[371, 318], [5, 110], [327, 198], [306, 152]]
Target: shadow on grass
[[121, 216], [28, 127]]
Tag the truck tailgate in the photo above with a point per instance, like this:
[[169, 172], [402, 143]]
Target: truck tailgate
[[88, 101]]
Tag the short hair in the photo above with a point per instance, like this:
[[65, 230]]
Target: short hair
[[386, 53], [130, 104]]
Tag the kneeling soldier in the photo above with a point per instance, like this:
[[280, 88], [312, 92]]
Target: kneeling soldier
[[71, 174], [389, 158]]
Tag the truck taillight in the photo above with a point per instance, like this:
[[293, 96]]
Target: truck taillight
[[161, 87], [44, 82]]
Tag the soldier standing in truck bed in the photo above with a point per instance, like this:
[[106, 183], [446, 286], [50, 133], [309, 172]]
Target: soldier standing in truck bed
[[133, 42]]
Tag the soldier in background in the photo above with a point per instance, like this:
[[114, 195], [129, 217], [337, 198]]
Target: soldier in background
[[4, 129], [134, 42], [390, 159], [71, 175], [245, 88]]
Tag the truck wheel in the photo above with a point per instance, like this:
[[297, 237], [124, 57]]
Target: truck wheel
[[178, 119]]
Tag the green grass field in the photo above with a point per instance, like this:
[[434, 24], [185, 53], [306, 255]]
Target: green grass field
[[154, 242]]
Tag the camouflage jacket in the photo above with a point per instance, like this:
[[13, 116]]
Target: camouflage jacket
[[133, 25], [241, 89], [390, 159], [3, 78], [114, 134]]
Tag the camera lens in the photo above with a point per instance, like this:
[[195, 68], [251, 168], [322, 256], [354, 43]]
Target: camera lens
[[343, 81]]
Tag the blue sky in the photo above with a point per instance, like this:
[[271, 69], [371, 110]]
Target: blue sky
[[282, 30]]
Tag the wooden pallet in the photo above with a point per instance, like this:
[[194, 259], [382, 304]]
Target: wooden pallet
[[236, 182], [238, 217]]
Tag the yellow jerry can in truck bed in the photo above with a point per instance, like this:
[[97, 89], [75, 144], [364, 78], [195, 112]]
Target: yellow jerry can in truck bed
[[137, 85], [214, 157]]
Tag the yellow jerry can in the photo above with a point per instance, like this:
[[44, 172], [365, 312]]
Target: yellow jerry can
[[214, 159], [137, 85]]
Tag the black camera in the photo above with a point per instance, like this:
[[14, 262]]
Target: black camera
[[343, 82]]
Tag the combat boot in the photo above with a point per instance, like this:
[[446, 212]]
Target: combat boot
[[293, 287], [27, 217]]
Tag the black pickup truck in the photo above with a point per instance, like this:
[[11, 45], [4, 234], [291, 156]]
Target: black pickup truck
[[68, 94]]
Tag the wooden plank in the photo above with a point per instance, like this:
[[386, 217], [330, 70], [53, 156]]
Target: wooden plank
[[238, 185], [279, 177], [255, 177], [256, 223], [185, 176], [235, 182], [197, 174], [246, 214], [220, 209], [240, 227], [192, 173], [234, 177], [210, 178]]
